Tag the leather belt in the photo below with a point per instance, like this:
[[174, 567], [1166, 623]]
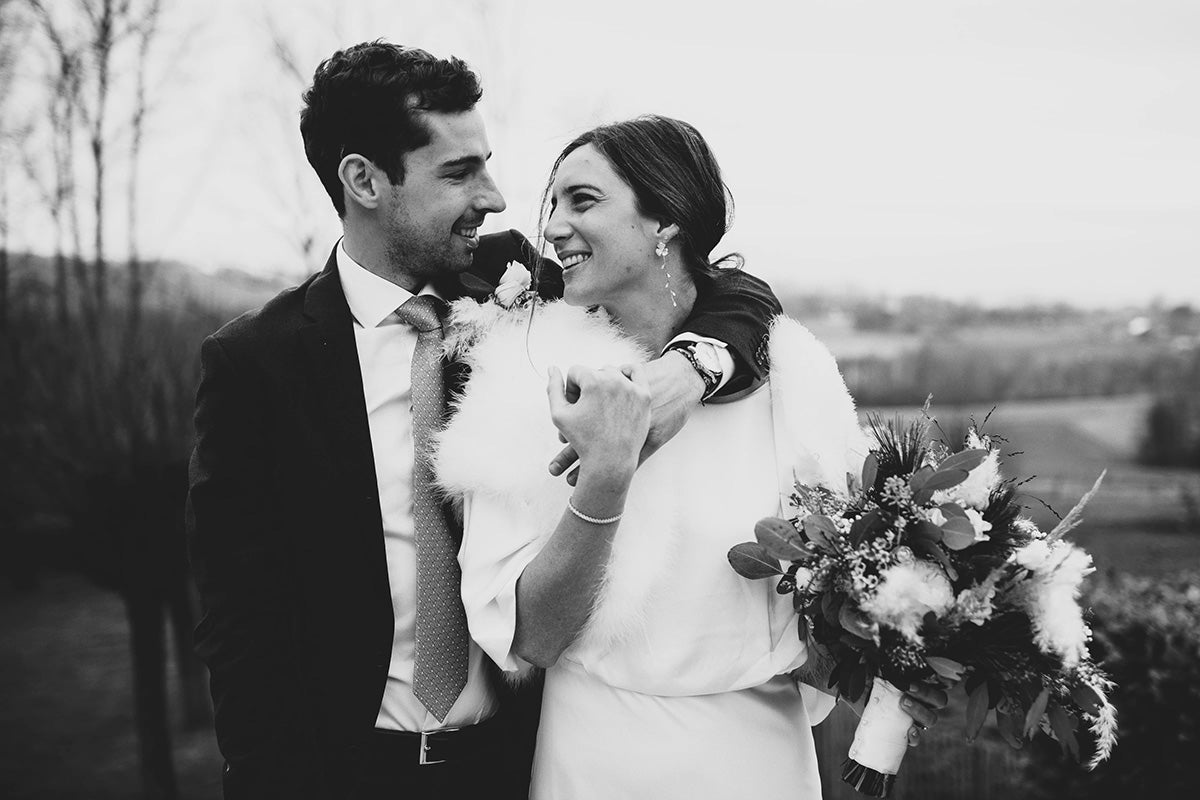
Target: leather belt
[[445, 746]]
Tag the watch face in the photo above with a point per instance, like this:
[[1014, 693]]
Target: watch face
[[706, 354]]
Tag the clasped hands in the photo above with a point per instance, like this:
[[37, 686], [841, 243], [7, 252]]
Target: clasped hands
[[673, 387]]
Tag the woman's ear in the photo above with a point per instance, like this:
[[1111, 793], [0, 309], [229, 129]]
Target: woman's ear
[[667, 231], [361, 180]]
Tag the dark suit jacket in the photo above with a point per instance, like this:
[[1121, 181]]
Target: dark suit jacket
[[285, 535]]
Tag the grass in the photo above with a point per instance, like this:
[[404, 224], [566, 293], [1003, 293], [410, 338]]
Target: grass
[[65, 694], [66, 701]]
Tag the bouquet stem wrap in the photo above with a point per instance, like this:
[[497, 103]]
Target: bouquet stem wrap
[[879, 743]]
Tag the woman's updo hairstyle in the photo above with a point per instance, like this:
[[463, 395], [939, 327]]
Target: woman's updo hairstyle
[[675, 179]]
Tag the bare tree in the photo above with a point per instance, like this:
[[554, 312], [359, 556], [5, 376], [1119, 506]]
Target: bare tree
[[10, 32], [144, 35], [111, 397]]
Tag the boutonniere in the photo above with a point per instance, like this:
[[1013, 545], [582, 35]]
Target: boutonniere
[[513, 289]]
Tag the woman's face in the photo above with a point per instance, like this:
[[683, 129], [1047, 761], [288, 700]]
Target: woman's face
[[604, 243]]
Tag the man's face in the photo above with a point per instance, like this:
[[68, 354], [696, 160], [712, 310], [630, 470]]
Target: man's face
[[433, 217]]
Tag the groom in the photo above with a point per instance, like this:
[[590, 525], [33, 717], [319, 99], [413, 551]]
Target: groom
[[333, 631]]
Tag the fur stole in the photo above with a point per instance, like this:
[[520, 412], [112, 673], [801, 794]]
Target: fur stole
[[500, 438]]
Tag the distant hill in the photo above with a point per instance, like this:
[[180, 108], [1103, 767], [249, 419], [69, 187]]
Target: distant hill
[[169, 284]]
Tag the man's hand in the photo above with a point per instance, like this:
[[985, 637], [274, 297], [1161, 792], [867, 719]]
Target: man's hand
[[675, 389]]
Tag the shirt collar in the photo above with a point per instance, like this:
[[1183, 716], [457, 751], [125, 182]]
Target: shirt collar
[[372, 299]]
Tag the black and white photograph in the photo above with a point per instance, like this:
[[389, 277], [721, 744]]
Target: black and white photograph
[[563, 400]]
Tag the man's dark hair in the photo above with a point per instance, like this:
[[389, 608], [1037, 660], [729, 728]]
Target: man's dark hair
[[674, 176], [368, 99]]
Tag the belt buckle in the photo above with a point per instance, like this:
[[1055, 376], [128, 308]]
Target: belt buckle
[[423, 756]]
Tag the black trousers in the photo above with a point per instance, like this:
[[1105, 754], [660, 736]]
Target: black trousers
[[484, 761]]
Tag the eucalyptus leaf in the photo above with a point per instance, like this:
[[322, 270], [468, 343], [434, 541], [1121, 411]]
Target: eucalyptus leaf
[[958, 533], [944, 479], [1010, 724], [977, 709], [948, 668], [966, 460], [868, 523], [1063, 725], [870, 471], [781, 539], [831, 606], [857, 683], [751, 560], [835, 675], [917, 481], [821, 531], [1033, 718], [1087, 698], [926, 530], [856, 622], [952, 511]]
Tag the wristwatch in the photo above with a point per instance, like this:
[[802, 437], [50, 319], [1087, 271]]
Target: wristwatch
[[703, 358]]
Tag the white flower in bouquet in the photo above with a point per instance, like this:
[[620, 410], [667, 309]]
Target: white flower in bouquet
[[976, 604], [1053, 601], [1033, 555], [980, 525], [974, 492], [906, 593]]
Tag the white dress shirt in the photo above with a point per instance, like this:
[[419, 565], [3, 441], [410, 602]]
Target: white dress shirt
[[385, 352]]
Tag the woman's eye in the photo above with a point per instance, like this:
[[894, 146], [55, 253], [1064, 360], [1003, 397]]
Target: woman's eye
[[582, 200]]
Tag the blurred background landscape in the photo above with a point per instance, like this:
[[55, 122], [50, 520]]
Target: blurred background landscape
[[996, 204]]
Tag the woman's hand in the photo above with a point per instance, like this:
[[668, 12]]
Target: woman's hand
[[604, 414], [922, 702], [675, 391]]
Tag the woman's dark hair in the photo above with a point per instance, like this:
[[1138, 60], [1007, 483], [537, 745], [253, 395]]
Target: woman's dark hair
[[675, 179], [368, 99]]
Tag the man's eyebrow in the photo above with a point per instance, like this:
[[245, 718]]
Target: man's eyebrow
[[464, 161]]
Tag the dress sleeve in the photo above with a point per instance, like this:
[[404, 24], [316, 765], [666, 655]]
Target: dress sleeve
[[817, 704], [499, 541]]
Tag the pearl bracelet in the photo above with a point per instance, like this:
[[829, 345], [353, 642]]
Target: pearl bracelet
[[594, 520]]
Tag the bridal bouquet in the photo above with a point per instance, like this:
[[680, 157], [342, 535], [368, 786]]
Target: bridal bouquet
[[928, 570]]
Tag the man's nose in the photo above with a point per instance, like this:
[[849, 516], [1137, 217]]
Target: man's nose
[[490, 199]]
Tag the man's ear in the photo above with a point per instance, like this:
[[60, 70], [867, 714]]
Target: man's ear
[[362, 181]]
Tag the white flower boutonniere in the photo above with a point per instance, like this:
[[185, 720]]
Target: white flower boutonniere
[[513, 285]]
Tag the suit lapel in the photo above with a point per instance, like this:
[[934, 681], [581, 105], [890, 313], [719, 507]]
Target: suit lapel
[[328, 340]]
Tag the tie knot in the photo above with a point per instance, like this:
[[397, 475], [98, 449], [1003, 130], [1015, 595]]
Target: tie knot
[[423, 312]]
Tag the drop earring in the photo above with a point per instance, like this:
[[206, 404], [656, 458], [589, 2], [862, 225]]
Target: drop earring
[[662, 252]]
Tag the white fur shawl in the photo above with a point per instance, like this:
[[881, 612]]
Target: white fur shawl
[[500, 439]]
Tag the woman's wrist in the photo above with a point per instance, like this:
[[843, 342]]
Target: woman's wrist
[[601, 494], [606, 476]]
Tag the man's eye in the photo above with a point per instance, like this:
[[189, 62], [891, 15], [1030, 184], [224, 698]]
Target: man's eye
[[458, 176]]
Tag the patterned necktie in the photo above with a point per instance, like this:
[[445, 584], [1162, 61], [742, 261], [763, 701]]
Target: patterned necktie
[[440, 672]]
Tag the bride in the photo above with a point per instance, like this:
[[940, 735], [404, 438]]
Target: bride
[[667, 674]]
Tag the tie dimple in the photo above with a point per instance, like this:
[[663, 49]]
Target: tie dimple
[[440, 671]]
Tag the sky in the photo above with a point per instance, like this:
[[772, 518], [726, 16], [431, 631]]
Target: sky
[[1003, 152]]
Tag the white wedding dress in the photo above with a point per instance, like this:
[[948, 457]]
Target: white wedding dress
[[678, 686]]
